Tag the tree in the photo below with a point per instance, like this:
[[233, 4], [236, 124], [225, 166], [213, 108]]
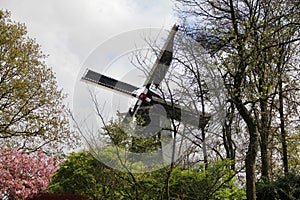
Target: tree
[[23, 175], [82, 174], [32, 112], [246, 39], [201, 88]]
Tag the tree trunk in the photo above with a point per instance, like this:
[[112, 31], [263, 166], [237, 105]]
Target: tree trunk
[[264, 121], [250, 162], [227, 136], [264, 138], [282, 128], [252, 148], [265, 163]]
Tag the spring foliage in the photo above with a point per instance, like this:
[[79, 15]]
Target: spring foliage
[[32, 112], [82, 174]]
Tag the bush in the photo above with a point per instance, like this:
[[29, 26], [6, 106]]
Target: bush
[[214, 183], [284, 187]]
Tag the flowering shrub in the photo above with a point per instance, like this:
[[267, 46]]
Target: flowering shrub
[[23, 174]]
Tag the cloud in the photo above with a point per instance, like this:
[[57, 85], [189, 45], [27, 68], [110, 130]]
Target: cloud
[[69, 30]]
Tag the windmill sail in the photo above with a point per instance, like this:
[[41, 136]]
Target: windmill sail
[[162, 63], [108, 82]]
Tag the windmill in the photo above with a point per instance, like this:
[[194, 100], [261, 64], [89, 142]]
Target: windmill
[[146, 97]]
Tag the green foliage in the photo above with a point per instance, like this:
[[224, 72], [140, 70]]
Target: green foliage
[[120, 151], [215, 182], [293, 150], [83, 174], [137, 144], [284, 187], [116, 135], [31, 105]]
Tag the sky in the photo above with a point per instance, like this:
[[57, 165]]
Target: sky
[[69, 30]]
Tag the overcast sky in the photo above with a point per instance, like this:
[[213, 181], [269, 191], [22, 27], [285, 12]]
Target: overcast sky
[[69, 30]]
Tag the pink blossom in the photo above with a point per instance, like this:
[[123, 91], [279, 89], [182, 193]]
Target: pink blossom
[[23, 174]]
